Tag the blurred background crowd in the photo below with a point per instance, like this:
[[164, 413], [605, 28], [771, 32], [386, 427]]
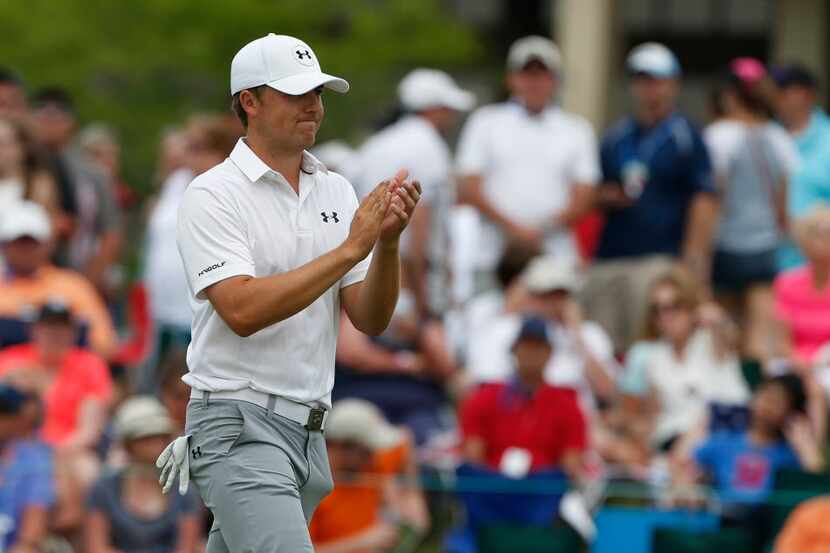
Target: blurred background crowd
[[614, 328]]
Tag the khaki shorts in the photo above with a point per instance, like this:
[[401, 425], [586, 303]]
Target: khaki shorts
[[616, 295]]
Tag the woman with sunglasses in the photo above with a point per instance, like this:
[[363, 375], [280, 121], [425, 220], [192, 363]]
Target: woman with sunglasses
[[686, 361]]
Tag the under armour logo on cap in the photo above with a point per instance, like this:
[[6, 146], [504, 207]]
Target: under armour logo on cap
[[303, 55], [332, 217]]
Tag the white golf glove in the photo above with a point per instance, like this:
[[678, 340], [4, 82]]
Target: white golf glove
[[175, 461]]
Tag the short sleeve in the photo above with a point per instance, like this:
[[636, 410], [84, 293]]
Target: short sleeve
[[585, 163], [634, 379], [720, 147], [574, 425], [471, 158], [212, 240], [97, 378], [358, 272], [706, 454], [473, 414], [700, 165], [40, 488]]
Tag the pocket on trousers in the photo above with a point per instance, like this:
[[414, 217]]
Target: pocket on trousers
[[220, 428]]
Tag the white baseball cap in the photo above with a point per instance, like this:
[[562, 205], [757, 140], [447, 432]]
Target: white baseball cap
[[653, 59], [547, 273], [25, 219], [357, 420], [427, 88], [282, 62], [534, 48], [141, 417]]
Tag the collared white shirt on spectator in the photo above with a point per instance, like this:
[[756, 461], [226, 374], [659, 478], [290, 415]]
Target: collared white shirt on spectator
[[529, 165], [243, 218]]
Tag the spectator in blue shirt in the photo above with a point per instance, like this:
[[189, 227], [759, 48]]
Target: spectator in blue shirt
[[27, 486], [657, 195], [809, 125], [741, 465]]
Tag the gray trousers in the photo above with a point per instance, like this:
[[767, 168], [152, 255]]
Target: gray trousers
[[261, 475]]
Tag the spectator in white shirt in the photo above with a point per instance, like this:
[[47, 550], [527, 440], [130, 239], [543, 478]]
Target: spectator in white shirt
[[431, 102], [528, 167]]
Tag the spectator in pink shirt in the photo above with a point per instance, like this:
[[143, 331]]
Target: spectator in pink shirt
[[802, 295]]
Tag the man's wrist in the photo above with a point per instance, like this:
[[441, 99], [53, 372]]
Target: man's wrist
[[388, 245]]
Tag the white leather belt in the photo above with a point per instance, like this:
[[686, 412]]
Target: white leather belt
[[312, 418]]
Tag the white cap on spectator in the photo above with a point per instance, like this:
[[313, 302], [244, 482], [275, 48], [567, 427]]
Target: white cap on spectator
[[653, 59], [282, 62], [547, 273], [428, 88], [25, 219], [358, 421], [534, 48], [142, 417]]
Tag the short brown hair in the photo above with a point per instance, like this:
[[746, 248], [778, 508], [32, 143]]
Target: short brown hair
[[236, 105]]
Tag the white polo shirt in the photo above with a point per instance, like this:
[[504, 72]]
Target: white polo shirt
[[243, 218], [529, 165]]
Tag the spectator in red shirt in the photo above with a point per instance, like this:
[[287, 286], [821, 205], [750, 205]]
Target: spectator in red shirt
[[526, 424]]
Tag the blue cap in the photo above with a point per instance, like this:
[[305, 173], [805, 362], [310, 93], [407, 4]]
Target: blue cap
[[11, 400], [653, 59], [533, 328]]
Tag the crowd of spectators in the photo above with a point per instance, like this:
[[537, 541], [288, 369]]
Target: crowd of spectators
[[653, 305]]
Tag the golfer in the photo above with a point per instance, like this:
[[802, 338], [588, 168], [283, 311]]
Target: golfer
[[273, 244]]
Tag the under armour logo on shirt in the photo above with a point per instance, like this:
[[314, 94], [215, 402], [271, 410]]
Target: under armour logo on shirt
[[197, 452], [332, 217]]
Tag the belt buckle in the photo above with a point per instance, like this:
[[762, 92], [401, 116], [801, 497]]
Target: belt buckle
[[315, 419]]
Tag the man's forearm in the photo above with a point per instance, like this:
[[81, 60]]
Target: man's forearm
[[700, 228], [379, 290], [250, 304], [471, 194], [580, 204]]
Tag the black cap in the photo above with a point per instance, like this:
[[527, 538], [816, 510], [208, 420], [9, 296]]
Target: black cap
[[533, 328], [794, 74], [11, 400], [54, 311]]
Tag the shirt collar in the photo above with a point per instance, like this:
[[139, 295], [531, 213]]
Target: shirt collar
[[254, 168]]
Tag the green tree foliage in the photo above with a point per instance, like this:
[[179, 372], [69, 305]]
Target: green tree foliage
[[144, 64]]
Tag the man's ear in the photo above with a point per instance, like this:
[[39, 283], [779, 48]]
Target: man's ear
[[249, 102]]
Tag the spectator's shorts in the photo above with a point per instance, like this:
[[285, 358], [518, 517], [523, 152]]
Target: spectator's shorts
[[260, 474], [735, 272]]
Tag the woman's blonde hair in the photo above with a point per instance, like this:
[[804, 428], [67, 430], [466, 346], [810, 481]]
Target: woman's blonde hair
[[688, 295]]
